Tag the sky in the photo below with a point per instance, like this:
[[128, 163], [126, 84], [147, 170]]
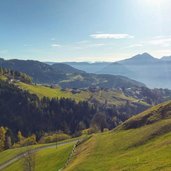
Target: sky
[[84, 30]]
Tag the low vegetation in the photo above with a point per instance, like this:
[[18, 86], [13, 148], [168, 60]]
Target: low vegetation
[[54, 138]]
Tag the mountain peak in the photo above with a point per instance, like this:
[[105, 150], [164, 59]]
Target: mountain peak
[[144, 56], [140, 59], [145, 53]]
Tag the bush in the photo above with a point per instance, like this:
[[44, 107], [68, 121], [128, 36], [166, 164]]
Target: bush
[[26, 141], [54, 138], [89, 131]]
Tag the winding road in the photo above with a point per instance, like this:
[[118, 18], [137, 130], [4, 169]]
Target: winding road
[[19, 156]]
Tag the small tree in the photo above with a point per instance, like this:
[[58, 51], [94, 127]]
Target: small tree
[[2, 138], [20, 137]]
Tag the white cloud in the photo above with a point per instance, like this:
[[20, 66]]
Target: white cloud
[[55, 45], [163, 52], [111, 36], [164, 41], [96, 45], [86, 46], [135, 45], [82, 42]]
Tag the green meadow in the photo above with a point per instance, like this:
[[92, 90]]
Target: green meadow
[[43, 91], [49, 159]]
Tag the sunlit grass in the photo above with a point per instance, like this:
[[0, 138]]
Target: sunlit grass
[[112, 97], [43, 91], [50, 159], [143, 149]]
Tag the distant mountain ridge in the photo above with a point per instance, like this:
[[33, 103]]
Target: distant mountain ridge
[[166, 58], [88, 67], [61, 67], [67, 76], [154, 72]]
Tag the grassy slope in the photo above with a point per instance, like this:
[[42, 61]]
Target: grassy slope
[[42, 91], [115, 97], [145, 148], [50, 159], [112, 97]]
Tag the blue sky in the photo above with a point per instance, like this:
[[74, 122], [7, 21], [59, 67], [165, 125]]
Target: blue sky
[[80, 30]]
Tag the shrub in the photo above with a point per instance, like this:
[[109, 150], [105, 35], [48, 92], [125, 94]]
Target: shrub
[[54, 138]]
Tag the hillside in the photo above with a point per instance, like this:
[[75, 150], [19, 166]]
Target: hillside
[[153, 115], [25, 112], [53, 92], [105, 96], [66, 76], [40, 72], [116, 105], [31, 114], [66, 69], [146, 147], [113, 102]]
